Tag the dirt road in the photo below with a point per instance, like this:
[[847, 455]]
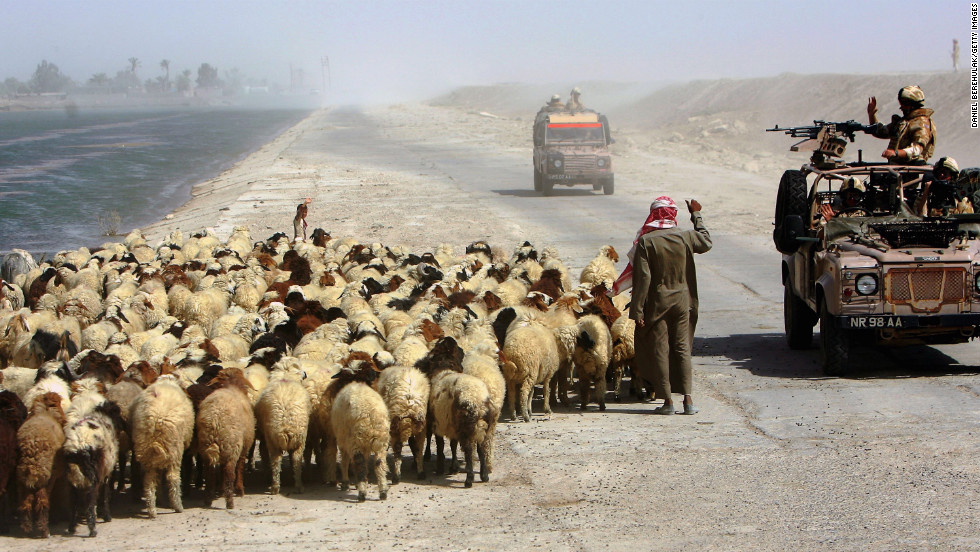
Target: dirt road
[[778, 458]]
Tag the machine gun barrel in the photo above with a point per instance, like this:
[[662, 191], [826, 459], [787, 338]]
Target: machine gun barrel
[[845, 128]]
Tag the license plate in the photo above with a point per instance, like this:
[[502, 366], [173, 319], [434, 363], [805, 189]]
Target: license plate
[[559, 177], [874, 322]]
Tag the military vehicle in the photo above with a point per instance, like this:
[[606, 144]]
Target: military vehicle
[[572, 148], [873, 272]]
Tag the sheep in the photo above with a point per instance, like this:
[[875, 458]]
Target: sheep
[[91, 451], [602, 269], [360, 423], [39, 440], [405, 391], [593, 353], [459, 408], [532, 357], [17, 262], [622, 355], [483, 364], [162, 421], [283, 413], [225, 432], [12, 415]]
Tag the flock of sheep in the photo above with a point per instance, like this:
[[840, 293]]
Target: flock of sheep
[[183, 358]]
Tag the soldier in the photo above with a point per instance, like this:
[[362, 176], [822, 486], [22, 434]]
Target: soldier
[[956, 55], [574, 101], [911, 136], [554, 104], [943, 195], [849, 201]]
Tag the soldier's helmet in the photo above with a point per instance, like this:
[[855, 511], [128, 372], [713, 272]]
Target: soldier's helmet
[[912, 93], [853, 183], [576, 90], [948, 164], [555, 98]]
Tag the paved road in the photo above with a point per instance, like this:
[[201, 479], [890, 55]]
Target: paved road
[[779, 457]]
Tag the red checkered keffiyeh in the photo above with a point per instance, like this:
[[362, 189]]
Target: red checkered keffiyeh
[[663, 214]]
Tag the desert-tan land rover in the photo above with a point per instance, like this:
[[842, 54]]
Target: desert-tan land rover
[[870, 271], [572, 148]]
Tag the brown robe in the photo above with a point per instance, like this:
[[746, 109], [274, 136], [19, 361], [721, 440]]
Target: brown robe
[[665, 297]]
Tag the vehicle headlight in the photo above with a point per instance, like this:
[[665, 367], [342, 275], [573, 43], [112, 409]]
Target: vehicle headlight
[[601, 162], [557, 163], [866, 284], [976, 283]]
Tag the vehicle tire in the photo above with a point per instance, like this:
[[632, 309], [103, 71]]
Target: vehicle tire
[[835, 345], [609, 187], [791, 199], [537, 180], [798, 320], [548, 187]]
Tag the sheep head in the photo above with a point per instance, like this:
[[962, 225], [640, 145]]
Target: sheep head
[[445, 355]]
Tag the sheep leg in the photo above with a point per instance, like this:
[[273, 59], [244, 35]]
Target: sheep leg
[[468, 454], [547, 396], [527, 390], [483, 451], [428, 438], [211, 477], [200, 471], [150, 478], [187, 470], [173, 489], [42, 508], [380, 473], [491, 436], [563, 375], [228, 473], [240, 475], [344, 468], [135, 480], [583, 391], [105, 494], [297, 457], [274, 460], [25, 510], [600, 391], [91, 497], [454, 464], [396, 459], [330, 463], [360, 474], [76, 498], [440, 456], [415, 443], [511, 413]]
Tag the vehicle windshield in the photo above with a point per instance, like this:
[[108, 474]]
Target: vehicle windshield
[[574, 132]]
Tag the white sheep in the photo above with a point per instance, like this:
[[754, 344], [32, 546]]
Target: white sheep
[[360, 423], [162, 421], [532, 357], [91, 451], [283, 414], [601, 270], [405, 391], [225, 433]]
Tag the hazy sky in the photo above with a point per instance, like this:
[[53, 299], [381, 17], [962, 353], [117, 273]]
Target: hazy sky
[[397, 50]]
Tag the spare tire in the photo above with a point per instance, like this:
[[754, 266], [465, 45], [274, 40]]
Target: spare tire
[[791, 199]]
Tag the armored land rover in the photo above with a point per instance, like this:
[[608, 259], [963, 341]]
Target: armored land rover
[[870, 271], [572, 148]]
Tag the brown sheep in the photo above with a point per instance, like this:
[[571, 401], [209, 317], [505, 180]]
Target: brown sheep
[[12, 415], [39, 440], [225, 433]]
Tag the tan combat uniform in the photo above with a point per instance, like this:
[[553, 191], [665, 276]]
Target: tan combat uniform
[[575, 104], [665, 297], [915, 134]]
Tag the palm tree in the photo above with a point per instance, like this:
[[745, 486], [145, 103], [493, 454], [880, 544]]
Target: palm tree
[[133, 64], [165, 65]]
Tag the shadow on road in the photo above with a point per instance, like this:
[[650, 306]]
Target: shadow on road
[[768, 355], [532, 193]]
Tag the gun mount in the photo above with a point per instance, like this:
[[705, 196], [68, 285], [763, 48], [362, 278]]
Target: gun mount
[[830, 139]]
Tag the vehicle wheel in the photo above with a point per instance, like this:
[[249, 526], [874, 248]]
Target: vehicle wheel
[[798, 320], [548, 187], [596, 186], [537, 180], [791, 199], [835, 344], [609, 187]]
